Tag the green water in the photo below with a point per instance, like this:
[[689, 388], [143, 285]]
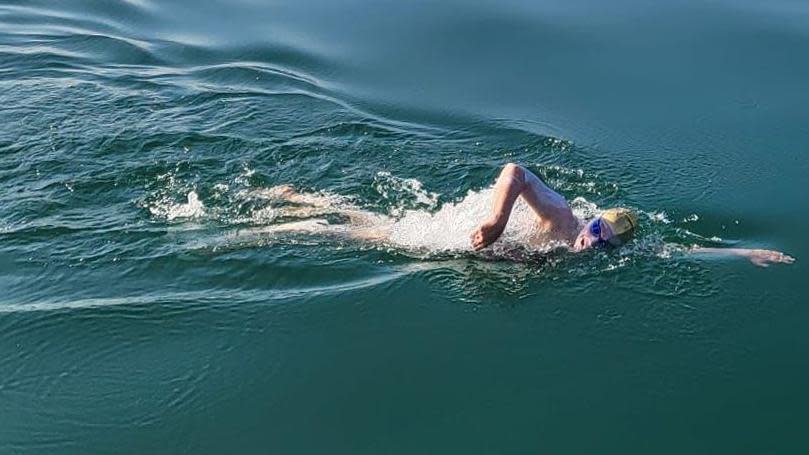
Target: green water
[[133, 320]]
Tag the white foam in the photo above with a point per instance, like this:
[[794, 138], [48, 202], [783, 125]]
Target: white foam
[[404, 190], [659, 217], [449, 228], [583, 208], [193, 208]]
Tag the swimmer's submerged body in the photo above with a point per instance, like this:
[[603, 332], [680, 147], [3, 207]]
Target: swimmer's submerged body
[[555, 221]]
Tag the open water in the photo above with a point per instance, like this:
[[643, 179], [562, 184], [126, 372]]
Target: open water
[[147, 305]]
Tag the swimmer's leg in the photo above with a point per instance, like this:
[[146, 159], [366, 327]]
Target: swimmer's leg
[[308, 227], [377, 233], [362, 224], [312, 226], [367, 226], [308, 204]]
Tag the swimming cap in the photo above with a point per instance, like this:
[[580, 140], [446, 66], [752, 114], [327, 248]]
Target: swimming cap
[[622, 222]]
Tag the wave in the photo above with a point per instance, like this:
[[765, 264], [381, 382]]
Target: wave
[[205, 297]]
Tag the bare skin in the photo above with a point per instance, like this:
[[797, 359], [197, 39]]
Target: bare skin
[[554, 216], [761, 258]]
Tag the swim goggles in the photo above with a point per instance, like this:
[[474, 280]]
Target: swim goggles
[[595, 229]]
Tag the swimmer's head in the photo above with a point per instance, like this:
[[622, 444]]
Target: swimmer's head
[[614, 227]]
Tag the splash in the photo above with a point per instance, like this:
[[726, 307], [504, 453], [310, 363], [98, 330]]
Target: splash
[[167, 189], [659, 217], [448, 229], [169, 210], [404, 192]]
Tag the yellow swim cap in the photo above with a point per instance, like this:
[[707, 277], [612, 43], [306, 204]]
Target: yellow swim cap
[[622, 222]]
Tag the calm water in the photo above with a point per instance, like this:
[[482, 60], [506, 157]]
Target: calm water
[[144, 308]]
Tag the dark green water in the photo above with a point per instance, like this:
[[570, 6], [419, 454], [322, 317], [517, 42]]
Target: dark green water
[[134, 322]]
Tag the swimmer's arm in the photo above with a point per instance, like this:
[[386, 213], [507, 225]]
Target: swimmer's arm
[[506, 191], [761, 258], [516, 181], [508, 188]]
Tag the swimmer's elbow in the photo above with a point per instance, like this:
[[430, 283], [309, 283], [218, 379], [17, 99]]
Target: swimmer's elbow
[[514, 171]]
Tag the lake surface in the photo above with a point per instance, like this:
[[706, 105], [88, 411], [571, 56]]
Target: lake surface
[[146, 306]]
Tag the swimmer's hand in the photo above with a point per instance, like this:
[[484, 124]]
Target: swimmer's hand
[[761, 258], [486, 234]]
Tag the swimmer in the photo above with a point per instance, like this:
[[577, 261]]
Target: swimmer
[[555, 221]]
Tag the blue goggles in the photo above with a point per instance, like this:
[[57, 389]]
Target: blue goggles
[[595, 230]]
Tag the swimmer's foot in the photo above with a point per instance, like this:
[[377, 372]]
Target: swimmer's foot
[[486, 234]]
